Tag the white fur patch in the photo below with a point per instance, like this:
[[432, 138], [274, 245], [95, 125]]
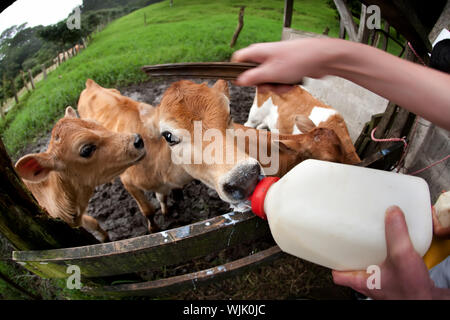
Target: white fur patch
[[295, 130], [227, 102], [265, 116], [319, 114]]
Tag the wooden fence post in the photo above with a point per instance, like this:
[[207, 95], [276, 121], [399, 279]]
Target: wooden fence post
[[288, 6], [239, 27], [4, 85], [13, 85], [24, 223], [44, 71], [384, 44], [22, 74], [31, 79], [2, 113], [347, 19], [363, 31], [342, 31]]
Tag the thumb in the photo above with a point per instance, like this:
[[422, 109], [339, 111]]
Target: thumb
[[397, 237]]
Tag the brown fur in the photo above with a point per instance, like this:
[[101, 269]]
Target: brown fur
[[63, 182]]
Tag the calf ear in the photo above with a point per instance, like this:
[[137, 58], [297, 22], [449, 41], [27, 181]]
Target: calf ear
[[287, 146], [303, 123], [70, 113], [35, 167], [222, 86], [90, 82], [149, 117]]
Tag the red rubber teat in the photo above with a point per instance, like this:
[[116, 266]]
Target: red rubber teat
[[259, 195]]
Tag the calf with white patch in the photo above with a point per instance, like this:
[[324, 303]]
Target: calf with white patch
[[80, 156], [295, 111]]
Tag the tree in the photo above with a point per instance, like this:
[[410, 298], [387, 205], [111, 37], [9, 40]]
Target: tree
[[61, 35]]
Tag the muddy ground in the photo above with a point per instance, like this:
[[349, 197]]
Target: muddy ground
[[118, 214]]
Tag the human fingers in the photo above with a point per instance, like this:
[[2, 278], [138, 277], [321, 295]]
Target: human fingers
[[259, 75], [254, 53], [357, 280], [398, 241]]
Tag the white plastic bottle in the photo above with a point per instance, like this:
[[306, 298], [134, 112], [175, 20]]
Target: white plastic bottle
[[333, 214]]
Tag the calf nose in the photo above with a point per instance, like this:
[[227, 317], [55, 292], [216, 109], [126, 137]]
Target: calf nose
[[138, 142], [242, 182]]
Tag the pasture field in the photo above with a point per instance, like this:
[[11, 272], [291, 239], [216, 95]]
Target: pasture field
[[189, 31]]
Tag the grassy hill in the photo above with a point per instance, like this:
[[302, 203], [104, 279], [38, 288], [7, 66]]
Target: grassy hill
[[189, 31]]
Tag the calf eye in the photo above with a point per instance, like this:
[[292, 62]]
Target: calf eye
[[87, 150], [170, 138]]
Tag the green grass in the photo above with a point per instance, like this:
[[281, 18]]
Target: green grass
[[190, 31]]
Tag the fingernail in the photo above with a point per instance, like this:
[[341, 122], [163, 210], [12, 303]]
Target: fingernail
[[394, 214], [392, 209]]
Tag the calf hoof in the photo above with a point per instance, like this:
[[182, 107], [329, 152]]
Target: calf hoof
[[104, 238], [152, 227], [164, 210]]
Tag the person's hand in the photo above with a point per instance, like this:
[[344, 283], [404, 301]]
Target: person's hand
[[286, 62], [438, 230], [403, 273]]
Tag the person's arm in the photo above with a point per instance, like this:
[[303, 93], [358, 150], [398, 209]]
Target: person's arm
[[421, 90], [403, 273]]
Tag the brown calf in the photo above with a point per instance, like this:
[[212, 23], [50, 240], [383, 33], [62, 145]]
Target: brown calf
[[156, 172], [81, 155]]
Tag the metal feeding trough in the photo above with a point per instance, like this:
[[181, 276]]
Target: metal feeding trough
[[102, 265], [206, 70]]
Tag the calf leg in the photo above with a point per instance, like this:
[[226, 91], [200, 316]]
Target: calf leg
[[91, 224], [162, 198], [145, 206]]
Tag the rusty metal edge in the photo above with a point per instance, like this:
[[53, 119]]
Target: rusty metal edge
[[168, 285], [136, 244], [214, 70]]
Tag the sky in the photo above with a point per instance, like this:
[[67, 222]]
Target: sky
[[36, 12]]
